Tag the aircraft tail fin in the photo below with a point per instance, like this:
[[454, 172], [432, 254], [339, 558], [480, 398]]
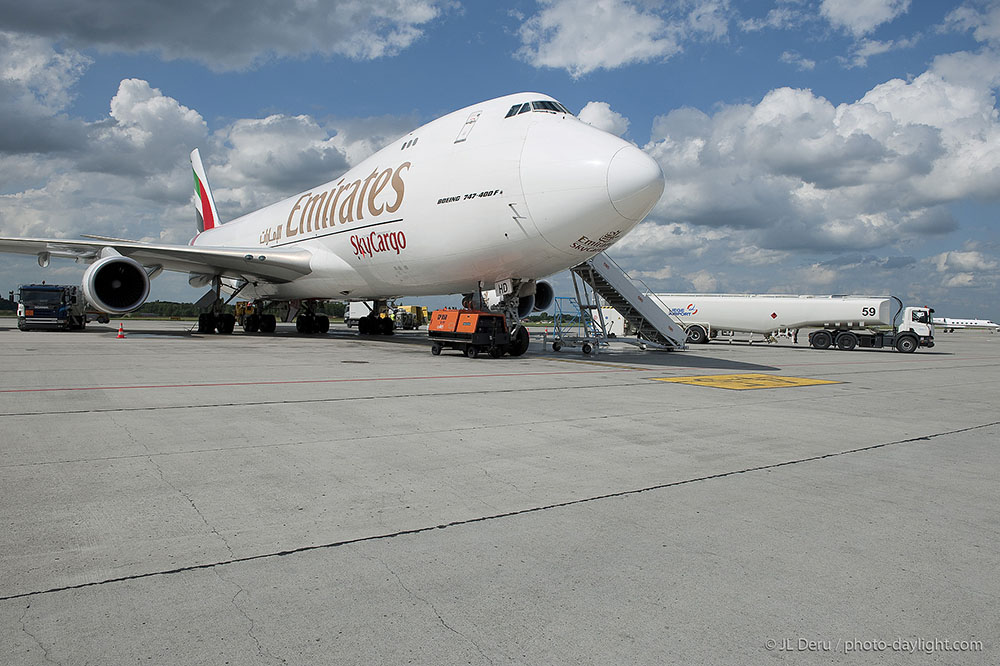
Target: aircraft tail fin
[[208, 216]]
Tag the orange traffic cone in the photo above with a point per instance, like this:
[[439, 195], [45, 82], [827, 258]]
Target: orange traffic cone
[[121, 331]]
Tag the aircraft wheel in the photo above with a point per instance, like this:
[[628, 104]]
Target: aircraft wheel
[[251, 323], [305, 324], [586, 348], [268, 323], [225, 323], [472, 351], [322, 324], [519, 340], [385, 326], [436, 349]]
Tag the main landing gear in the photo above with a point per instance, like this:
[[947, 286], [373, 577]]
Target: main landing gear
[[259, 323], [210, 322], [308, 323], [378, 321], [374, 325]]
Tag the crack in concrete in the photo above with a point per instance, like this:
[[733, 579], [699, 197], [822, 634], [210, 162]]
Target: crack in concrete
[[261, 652], [159, 470], [509, 514], [433, 608], [24, 628]]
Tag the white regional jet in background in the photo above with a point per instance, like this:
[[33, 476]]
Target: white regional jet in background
[[949, 324], [499, 193]]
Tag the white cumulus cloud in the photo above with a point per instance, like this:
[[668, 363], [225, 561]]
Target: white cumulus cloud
[[226, 34], [600, 115], [581, 36], [860, 17], [806, 173]]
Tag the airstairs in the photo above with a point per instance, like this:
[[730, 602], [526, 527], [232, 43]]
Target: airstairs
[[645, 316]]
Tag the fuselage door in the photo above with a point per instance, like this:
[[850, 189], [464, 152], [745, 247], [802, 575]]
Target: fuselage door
[[467, 127]]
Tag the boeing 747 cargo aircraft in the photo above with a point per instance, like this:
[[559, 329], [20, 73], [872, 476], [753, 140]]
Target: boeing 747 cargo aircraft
[[495, 195]]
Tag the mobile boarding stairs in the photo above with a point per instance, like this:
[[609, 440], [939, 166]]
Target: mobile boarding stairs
[[640, 309]]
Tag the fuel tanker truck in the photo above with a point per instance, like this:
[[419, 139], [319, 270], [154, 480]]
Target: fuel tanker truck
[[844, 322]]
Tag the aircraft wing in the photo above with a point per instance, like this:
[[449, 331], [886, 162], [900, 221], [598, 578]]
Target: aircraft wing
[[253, 264]]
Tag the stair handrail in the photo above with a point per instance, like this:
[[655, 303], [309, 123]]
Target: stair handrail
[[649, 292]]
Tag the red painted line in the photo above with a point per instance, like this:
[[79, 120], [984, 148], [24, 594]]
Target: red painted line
[[310, 381]]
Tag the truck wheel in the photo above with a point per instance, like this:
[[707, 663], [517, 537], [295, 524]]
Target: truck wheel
[[907, 344], [472, 351], [436, 349], [496, 352], [847, 341], [519, 340], [586, 348], [696, 335], [821, 340], [556, 346]]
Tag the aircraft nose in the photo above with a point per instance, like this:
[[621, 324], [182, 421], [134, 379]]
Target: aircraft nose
[[635, 183]]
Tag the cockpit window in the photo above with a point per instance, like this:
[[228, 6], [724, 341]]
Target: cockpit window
[[541, 105], [545, 105]]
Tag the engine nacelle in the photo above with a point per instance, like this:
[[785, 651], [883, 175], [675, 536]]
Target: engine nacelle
[[525, 306], [535, 297], [116, 285], [544, 293]]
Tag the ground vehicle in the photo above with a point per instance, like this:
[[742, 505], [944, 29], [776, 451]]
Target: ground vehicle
[[54, 306], [356, 310], [247, 315], [410, 316], [845, 321], [474, 332]]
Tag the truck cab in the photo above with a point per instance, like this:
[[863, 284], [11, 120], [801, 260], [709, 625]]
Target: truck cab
[[52, 306], [918, 321]]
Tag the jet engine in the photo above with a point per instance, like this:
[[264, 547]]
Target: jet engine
[[538, 300], [544, 293], [116, 285]]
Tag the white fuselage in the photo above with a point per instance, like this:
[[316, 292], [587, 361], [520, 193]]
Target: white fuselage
[[952, 322], [472, 197]]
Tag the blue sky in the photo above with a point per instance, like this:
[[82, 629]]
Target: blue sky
[[810, 146]]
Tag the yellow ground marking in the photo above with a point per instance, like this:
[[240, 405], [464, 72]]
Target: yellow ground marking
[[744, 382]]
